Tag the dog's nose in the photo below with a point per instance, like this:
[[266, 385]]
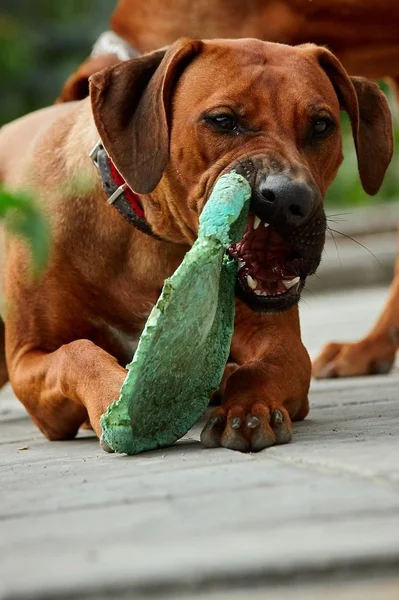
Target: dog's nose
[[284, 201]]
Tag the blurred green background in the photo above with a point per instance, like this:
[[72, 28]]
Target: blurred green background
[[42, 42]]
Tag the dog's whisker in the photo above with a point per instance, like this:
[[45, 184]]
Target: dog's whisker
[[308, 291], [353, 240], [339, 215], [335, 244]]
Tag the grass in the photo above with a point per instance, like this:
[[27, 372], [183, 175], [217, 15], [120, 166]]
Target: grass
[[23, 218], [346, 189]]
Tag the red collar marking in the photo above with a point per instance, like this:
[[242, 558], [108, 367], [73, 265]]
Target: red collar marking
[[131, 196]]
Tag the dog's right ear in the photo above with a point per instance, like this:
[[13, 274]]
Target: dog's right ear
[[131, 104]]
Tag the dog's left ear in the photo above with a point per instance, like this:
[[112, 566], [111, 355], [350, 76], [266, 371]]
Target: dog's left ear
[[370, 117], [76, 86], [131, 105]]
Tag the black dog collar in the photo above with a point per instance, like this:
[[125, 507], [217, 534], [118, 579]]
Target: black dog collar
[[120, 195]]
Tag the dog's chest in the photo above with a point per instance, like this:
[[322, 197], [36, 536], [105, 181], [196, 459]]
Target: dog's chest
[[128, 341]]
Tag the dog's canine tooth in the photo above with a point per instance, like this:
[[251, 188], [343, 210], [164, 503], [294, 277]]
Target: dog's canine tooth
[[289, 283], [256, 222], [241, 263], [252, 283], [266, 224]]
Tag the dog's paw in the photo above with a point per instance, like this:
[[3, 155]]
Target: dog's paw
[[247, 429], [367, 357]]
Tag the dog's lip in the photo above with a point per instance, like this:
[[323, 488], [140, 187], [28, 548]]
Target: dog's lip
[[281, 299], [276, 303], [271, 275]]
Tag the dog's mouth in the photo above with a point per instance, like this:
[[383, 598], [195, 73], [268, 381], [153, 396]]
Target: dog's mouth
[[271, 273]]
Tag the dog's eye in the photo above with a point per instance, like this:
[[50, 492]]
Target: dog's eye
[[223, 122], [321, 126]]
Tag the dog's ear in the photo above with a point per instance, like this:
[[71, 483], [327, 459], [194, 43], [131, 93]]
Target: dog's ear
[[76, 86], [131, 105], [370, 118]]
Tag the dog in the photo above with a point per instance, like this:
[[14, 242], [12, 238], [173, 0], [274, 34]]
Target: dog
[[363, 35], [160, 130]]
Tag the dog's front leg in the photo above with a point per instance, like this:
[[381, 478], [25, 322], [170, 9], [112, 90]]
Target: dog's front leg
[[270, 387], [61, 389]]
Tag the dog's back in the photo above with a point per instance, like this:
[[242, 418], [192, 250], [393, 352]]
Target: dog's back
[[19, 137], [362, 33], [16, 142]]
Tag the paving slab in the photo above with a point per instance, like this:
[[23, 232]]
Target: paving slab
[[316, 518], [360, 249], [353, 262]]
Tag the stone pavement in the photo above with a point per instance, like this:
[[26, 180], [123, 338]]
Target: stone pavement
[[318, 518]]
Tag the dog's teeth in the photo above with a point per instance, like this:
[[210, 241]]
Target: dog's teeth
[[289, 283], [252, 283], [256, 222], [241, 263], [266, 224], [260, 293]]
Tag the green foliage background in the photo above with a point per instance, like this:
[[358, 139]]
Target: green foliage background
[[42, 41], [24, 219]]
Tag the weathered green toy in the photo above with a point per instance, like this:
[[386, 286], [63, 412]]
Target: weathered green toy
[[185, 345]]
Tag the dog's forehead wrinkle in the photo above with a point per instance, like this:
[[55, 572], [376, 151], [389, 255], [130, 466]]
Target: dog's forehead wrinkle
[[249, 97], [253, 81], [261, 49], [250, 54]]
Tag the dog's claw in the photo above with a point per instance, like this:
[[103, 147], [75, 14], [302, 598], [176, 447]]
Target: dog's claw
[[210, 435], [253, 422], [236, 423], [214, 422], [282, 429], [277, 417], [106, 448], [252, 431]]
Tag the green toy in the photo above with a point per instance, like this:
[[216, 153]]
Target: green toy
[[185, 344]]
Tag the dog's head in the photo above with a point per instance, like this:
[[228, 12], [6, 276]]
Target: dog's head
[[174, 120]]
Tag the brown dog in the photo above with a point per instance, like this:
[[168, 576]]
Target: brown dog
[[364, 36], [172, 122]]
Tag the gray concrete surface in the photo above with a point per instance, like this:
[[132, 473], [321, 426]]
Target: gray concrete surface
[[318, 518], [362, 261], [364, 253], [366, 219]]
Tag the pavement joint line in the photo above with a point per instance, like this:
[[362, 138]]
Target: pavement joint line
[[335, 470], [364, 569], [143, 500], [351, 515], [350, 403], [170, 497]]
